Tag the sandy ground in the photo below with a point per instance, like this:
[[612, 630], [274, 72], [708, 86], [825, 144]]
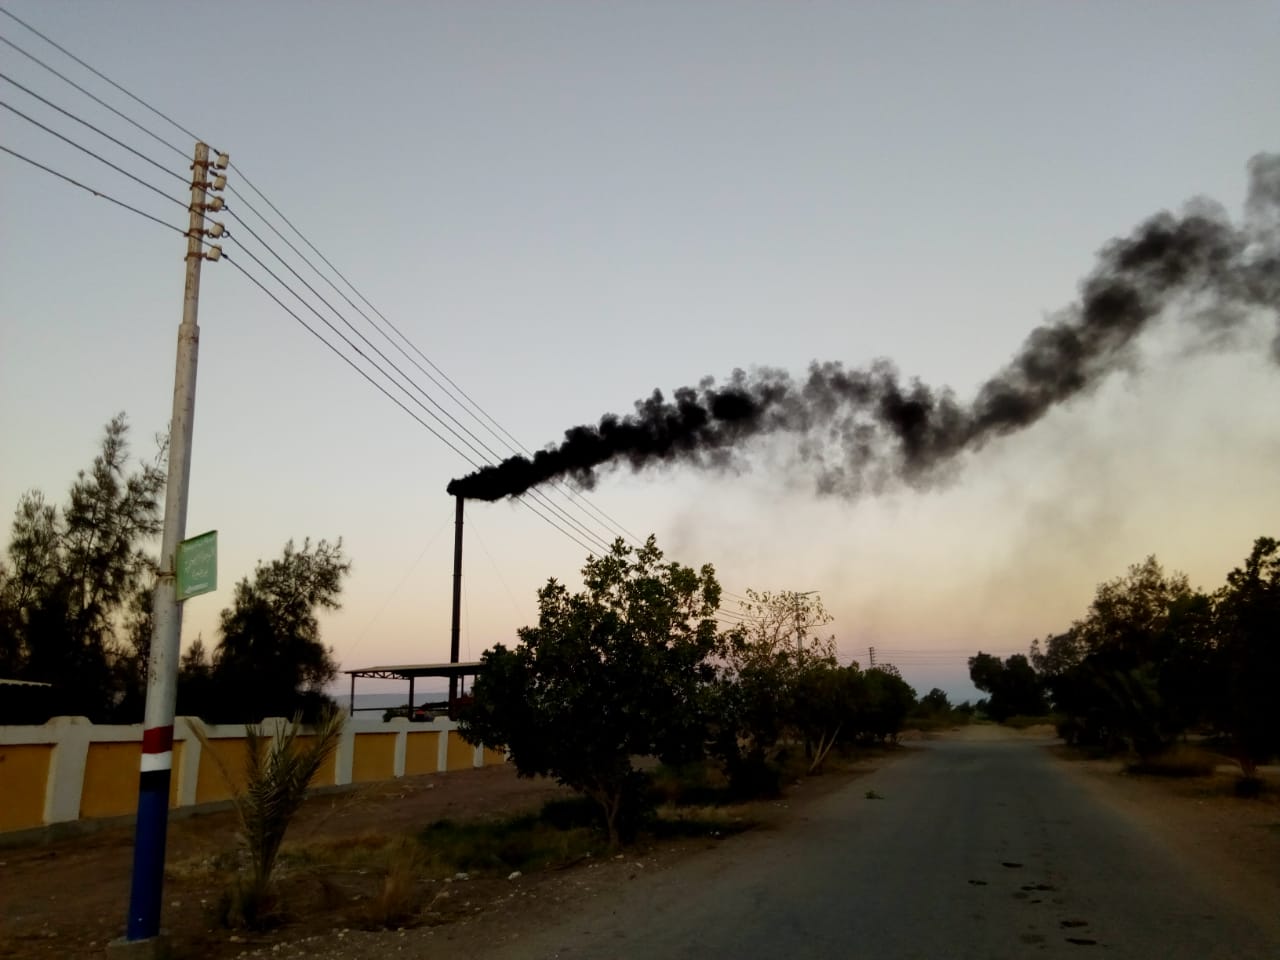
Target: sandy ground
[[69, 898]]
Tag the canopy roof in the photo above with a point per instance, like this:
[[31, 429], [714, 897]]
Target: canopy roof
[[413, 670]]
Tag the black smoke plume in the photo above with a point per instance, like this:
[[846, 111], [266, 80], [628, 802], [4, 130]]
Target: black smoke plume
[[857, 427]]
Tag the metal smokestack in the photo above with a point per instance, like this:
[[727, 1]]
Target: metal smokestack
[[457, 601]]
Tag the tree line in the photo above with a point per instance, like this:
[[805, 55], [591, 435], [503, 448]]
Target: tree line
[[1153, 660], [75, 608], [637, 665]]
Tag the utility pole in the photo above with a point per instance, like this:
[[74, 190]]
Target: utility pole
[[143, 928], [796, 598], [871, 652]]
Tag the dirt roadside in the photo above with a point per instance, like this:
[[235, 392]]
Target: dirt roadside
[[68, 898], [1231, 843]]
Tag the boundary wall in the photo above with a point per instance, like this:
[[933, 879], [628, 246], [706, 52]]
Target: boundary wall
[[70, 769]]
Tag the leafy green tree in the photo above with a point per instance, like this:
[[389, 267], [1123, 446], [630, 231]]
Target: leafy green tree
[[1248, 656], [755, 700], [889, 701], [619, 670], [936, 701], [829, 702], [270, 660], [74, 574], [1134, 670]]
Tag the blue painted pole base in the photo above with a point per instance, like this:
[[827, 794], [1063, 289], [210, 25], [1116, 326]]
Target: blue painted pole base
[[147, 890]]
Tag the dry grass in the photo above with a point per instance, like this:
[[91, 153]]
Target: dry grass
[[1180, 760]]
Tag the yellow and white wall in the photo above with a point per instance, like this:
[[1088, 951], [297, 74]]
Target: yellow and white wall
[[70, 769]]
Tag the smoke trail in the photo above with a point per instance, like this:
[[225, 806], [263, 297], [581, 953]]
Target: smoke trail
[[857, 426]]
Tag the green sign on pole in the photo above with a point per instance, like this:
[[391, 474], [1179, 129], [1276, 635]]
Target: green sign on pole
[[198, 565]]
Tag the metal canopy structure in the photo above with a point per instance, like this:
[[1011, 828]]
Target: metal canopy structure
[[411, 672]]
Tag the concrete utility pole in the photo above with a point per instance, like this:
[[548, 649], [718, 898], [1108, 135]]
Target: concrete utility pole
[[143, 929], [871, 652]]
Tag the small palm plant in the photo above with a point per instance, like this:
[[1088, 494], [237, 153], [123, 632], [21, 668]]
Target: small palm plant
[[279, 768]]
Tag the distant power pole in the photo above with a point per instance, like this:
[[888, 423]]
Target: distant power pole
[[162, 667], [800, 624], [871, 652]]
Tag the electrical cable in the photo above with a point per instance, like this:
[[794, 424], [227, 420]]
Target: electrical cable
[[94, 191], [83, 149], [315, 333], [97, 130], [274, 276], [581, 501], [98, 100], [351, 363], [98, 73], [231, 212], [546, 502], [406, 377], [491, 452], [249, 183]]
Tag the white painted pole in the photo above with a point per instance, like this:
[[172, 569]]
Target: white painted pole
[[162, 668]]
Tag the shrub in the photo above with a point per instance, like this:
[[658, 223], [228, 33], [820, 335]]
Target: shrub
[[400, 897], [1177, 762], [278, 770]]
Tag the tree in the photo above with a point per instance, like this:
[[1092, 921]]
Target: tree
[[197, 690], [936, 701], [1248, 656], [829, 702], [1012, 684], [270, 660], [74, 574], [756, 697], [1134, 669], [889, 700], [621, 669]]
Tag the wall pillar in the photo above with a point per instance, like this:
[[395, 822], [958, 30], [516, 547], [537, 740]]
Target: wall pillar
[[188, 772], [442, 745], [62, 788], [402, 745], [345, 754]]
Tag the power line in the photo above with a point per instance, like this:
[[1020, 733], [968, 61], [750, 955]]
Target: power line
[[97, 156], [539, 496], [274, 276], [97, 130], [305, 259], [408, 379], [591, 535], [96, 99], [353, 329], [476, 407], [351, 363], [94, 191], [267, 200], [99, 74]]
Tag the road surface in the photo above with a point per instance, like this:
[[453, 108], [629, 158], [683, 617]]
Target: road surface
[[982, 850]]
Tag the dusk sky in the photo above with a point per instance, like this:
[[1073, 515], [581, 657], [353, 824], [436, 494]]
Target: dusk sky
[[567, 205]]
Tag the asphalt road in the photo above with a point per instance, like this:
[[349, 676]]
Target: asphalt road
[[977, 850]]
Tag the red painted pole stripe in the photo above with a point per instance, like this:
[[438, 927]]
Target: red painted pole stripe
[[157, 739]]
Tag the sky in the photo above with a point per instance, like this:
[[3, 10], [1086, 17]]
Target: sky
[[567, 205]]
